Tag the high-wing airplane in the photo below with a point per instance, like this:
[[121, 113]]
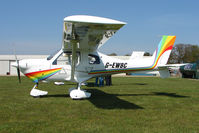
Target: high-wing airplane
[[82, 37]]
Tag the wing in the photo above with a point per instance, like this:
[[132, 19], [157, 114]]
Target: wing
[[88, 32]]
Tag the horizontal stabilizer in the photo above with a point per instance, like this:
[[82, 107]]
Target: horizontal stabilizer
[[173, 65]]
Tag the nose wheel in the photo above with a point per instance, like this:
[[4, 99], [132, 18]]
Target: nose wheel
[[37, 93], [77, 93]]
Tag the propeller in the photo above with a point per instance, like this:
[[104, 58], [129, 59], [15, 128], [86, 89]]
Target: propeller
[[18, 69]]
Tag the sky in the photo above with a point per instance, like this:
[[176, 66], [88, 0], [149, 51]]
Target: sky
[[36, 26]]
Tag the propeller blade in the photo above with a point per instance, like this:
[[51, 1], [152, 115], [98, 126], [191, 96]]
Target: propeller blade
[[18, 69], [18, 73]]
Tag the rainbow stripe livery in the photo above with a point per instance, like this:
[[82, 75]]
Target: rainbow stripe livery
[[42, 75], [166, 44]]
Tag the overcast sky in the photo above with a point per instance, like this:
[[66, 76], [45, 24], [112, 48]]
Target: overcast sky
[[35, 27]]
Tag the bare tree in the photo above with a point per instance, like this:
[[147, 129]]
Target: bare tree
[[184, 53]]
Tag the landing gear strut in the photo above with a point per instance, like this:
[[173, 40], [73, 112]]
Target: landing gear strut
[[77, 93], [37, 93]]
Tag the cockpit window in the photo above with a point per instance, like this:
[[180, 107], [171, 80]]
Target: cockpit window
[[65, 58], [93, 59]]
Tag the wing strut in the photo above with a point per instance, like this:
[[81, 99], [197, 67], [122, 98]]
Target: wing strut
[[74, 57]]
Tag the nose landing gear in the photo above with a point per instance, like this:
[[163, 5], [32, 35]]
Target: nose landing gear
[[37, 93]]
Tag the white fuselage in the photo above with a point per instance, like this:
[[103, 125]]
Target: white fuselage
[[86, 68]]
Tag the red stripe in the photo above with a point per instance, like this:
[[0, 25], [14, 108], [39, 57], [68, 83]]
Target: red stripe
[[41, 71]]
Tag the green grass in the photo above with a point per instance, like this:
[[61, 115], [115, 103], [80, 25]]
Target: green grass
[[132, 104]]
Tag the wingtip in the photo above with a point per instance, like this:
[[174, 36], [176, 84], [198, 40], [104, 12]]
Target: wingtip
[[92, 19]]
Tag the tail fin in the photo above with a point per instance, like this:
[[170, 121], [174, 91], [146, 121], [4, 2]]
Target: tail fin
[[162, 53]]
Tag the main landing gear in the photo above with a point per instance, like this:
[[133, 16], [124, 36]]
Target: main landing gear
[[77, 93], [37, 93]]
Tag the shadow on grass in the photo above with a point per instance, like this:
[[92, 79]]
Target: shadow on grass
[[91, 84], [109, 101], [169, 94], [56, 95], [102, 100], [174, 95], [132, 84], [111, 95]]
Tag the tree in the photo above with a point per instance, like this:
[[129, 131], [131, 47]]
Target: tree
[[127, 55], [184, 53], [147, 54], [113, 54]]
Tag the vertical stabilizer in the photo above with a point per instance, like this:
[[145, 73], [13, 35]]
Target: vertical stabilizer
[[163, 51], [162, 54]]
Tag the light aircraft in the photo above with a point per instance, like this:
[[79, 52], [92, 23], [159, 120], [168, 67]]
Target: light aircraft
[[82, 37]]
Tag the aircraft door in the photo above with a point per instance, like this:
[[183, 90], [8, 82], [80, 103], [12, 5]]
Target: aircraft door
[[93, 61]]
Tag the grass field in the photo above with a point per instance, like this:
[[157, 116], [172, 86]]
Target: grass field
[[132, 104]]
